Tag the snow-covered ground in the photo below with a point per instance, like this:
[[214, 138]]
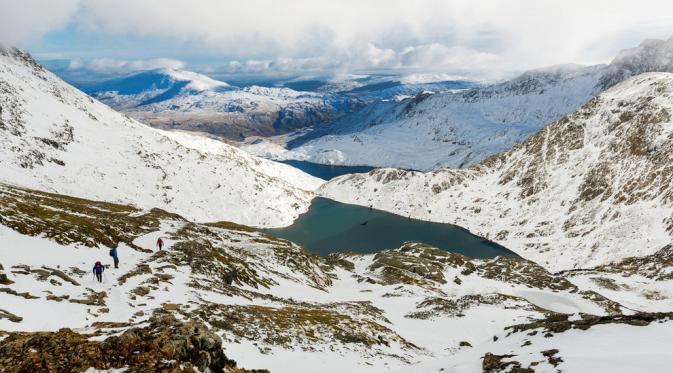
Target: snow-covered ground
[[278, 307], [590, 188], [601, 349], [459, 129], [54, 137]]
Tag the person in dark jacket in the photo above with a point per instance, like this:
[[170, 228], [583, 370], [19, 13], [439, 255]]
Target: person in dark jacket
[[98, 271], [113, 254], [160, 243]]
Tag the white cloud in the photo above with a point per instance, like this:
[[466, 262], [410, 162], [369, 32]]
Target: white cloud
[[429, 35], [107, 66], [429, 78], [25, 20]]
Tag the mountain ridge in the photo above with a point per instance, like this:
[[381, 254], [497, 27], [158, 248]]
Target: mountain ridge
[[590, 187]]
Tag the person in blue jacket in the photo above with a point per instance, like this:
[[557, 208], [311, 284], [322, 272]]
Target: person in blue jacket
[[113, 254], [98, 271]]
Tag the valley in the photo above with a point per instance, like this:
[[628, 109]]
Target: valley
[[374, 224]]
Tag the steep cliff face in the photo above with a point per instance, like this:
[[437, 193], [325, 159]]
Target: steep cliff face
[[588, 188], [56, 138]]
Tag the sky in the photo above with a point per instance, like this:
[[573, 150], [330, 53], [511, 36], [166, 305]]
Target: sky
[[477, 39]]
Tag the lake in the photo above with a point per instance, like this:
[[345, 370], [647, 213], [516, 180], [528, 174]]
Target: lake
[[329, 226], [326, 171]]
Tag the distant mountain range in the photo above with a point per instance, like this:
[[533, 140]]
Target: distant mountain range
[[186, 100], [459, 129]]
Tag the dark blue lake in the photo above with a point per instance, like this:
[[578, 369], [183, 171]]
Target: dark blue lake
[[326, 171], [329, 226]]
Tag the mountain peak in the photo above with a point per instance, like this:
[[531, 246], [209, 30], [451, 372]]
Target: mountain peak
[[196, 81]]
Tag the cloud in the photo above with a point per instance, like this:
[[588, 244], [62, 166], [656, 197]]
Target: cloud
[[429, 78], [428, 58], [111, 66], [27, 20], [348, 35]]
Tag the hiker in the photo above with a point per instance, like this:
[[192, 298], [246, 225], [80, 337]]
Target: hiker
[[98, 271], [113, 254], [160, 243]]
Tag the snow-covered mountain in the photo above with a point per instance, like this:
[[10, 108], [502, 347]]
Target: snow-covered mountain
[[458, 129], [153, 86], [55, 138], [594, 186], [218, 292], [186, 100]]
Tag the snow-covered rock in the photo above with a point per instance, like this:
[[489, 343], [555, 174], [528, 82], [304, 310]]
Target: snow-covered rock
[[592, 187], [459, 129], [54, 137]]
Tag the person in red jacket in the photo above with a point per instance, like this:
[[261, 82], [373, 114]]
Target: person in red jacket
[[160, 243]]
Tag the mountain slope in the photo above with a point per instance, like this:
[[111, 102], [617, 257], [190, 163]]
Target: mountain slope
[[462, 128], [276, 306], [56, 138], [588, 188]]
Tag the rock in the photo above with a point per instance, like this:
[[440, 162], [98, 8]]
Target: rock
[[10, 316], [61, 275], [464, 344], [13, 292], [494, 363], [165, 345], [141, 290], [558, 323], [93, 299], [338, 259], [4, 280], [553, 360], [171, 307]]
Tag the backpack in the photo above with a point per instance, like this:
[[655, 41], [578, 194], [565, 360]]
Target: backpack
[[111, 254]]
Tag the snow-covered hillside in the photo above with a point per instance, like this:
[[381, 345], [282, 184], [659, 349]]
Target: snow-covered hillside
[[191, 101], [153, 86], [591, 187], [462, 128], [276, 306], [54, 137]]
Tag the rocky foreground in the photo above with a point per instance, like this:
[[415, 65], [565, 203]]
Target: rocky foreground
[[162, 344]]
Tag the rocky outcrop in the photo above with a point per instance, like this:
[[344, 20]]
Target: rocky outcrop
[[558, 323], [165, 345]]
